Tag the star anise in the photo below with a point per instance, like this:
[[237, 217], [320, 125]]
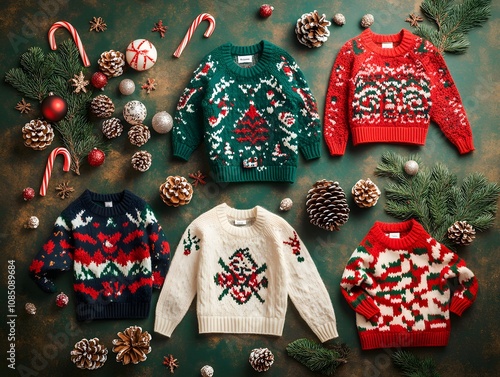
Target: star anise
[[149, 85], [97, 24], [198, 178], [64, 190], [414, 19], [170, 362], [160, 28], [23, 106], [79, 83]]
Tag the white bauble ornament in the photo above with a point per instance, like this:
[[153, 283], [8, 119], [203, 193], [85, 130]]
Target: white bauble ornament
[[367, 20], [207, 371], [411, 167], [286, 204], [126, 87], [162, 122], [141, 54], [134, 112]]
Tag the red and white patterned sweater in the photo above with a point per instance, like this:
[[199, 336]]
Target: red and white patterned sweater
[[387, 88], [397, 281]]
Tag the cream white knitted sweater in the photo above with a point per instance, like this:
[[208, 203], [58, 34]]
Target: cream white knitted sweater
[[243, 265]]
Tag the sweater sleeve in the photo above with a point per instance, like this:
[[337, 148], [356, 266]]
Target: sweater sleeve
[[355, 280], [188, 119], [181, 283], [447, 110], [160, 249], [54, 256], [306, 288], [336, 117]]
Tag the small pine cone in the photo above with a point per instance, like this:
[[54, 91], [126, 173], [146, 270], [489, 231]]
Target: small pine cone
[[102, 106], [327, 206], [176, 191], [139, 135], [38, 134], [461, 233], [365, 193], [132, 345], [111, 63], [367, 20], [141, 161], [261, 359], [89, 354], [312, 29], [112, 128]]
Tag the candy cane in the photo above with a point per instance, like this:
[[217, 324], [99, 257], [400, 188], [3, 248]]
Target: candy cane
[[74, 34], [192, 28], [50, 165]]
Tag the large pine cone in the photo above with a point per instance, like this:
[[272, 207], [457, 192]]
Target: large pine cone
[[141, 161], [111, 63], [461, 233], [365, 193], [38, 134], [176, 191], [327, 206], [112, 128], [89, 354], [261, 359], [102, 106], [139, 134], [132, 345], [312, 29]]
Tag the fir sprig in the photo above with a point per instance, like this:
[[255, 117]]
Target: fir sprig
[[412, 366]]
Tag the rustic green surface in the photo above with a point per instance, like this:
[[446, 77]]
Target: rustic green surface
[[43, 341]]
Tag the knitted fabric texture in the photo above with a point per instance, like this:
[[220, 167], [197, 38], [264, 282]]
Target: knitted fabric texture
[[117, 251], [387, 88], [255, 111], [398, 282], [243, 265]]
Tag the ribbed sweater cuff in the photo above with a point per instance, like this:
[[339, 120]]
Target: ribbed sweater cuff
[[367, 309], [464, 145], [327, 331], [182, 151], [459, 305], [336, 149], [311, 151], [164, 326]]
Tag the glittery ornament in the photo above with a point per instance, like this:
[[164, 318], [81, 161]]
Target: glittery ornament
[[28, 193], [339, 19], [30, 308], [286, 204], [367, 20], [141, 54], [32, 223], [266, 10], [99, 80], [96, 157], [134, 112], [62, 300], [126, 87], [411, 167], [207, 371], [162, 122]]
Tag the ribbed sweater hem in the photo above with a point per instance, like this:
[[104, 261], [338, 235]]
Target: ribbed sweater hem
[[241, 325], [268, 174], [327, 331], [387, 134], [115, 310], [376, 339]]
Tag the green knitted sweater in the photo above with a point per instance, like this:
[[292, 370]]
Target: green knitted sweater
[[254, 110]]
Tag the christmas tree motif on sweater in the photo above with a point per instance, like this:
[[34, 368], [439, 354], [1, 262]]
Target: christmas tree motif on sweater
[[189, 242], [294, 244], [241, 277], [252, 126]]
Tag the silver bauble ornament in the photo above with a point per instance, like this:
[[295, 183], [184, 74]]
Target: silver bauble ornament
[[134, 112], [162, 122], [32, 223], [339, 19], [207, 371], [367, 20], [411, 167], [126, 87]]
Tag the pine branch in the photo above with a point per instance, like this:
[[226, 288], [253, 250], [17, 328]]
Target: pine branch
[[412, 366], [316, 357]]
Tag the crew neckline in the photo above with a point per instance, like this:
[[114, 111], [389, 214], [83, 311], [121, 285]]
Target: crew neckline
[[412, 230], [121, 202], [262, 48], [403, 39], [224, 212]]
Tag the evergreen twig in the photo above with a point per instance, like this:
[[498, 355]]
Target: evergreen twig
[[412, 366]]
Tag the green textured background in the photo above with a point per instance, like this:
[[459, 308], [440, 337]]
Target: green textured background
[[474, 347]]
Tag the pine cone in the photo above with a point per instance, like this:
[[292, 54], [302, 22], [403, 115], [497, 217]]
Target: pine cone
[[327, 206], [112, 128], [461, 233], [312, 29], [141, 161], [38, 134], [89, 354], [102, 106], [176, 191], [365, 193], [261, 359], [132, 345], [111, 63], [139, 134]]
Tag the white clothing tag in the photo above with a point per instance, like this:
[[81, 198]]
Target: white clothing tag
[[245, 59], [394, 235], [108, 204], [387, 45], [240, 222]]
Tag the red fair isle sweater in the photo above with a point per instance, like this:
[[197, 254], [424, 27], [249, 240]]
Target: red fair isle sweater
[[387, 88], [397, 281]]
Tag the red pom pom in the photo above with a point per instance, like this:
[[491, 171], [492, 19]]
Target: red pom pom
[[54, 108], [266, 10], [28, 193], [99, 80], [96, 157], [62, 300]]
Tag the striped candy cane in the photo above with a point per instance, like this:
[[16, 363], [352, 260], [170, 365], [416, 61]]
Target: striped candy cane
[[50, 165], [74, 34], [192, 28]]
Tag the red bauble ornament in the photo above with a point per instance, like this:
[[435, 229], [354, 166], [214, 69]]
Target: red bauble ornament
[[96, 157], [99, 80], [62, 300], [28, 193], [54, 108], [266, 10]]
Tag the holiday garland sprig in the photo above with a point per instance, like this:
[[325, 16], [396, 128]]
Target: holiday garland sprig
[[433, 197], [412, 366], [40, 74]]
